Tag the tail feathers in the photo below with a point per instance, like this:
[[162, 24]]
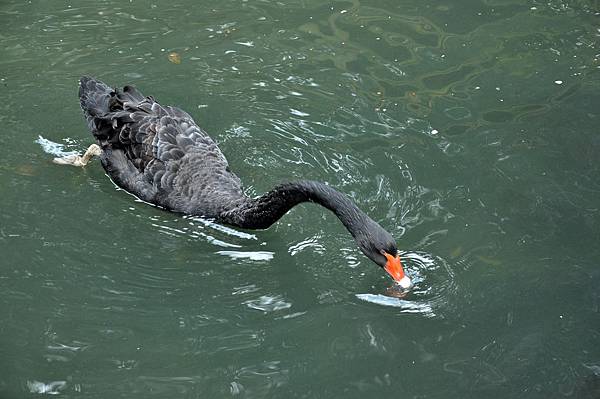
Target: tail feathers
[[102, 104], [97, 98], [94, 97]]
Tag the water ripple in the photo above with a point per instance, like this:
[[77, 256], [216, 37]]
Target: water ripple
[[268, 303], [434, 287]]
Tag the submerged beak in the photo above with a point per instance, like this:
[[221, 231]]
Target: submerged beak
[[394, 269]]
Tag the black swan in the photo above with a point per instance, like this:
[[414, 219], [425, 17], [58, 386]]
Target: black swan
[[159, 154]]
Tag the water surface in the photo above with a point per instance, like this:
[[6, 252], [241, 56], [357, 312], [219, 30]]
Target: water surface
[[469, 130]]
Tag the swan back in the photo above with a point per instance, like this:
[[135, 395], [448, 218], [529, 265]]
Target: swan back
[[158, 152]]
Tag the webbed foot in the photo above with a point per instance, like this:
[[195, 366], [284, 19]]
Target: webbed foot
[[78, 160]]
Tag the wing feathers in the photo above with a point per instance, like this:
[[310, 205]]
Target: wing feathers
[[159, 151]]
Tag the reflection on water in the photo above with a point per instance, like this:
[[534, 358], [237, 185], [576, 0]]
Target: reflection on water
[[268, 304], [221, 228], [252, 255], [405, 305]]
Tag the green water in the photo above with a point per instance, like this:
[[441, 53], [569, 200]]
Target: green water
[[468, 129]]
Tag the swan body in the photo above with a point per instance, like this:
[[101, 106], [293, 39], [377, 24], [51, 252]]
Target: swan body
[[159, 154]]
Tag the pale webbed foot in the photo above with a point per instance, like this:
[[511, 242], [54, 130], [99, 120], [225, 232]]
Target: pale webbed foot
[[74, 160], [77, 160]]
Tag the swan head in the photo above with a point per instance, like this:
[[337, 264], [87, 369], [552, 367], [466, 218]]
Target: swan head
[[394, 268], [379, 246]]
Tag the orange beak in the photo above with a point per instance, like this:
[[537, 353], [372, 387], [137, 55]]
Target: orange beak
[[393, 266]]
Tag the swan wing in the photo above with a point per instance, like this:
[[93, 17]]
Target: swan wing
[[158, 152]]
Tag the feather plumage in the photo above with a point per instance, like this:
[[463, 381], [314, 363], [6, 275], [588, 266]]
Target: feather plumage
[[158, 152]]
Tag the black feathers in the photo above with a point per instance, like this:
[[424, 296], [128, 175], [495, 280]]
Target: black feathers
[[157, 153]]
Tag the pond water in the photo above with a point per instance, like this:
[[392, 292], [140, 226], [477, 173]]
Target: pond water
[[469, 130]]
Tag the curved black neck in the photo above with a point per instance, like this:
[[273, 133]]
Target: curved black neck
[[262, 212]]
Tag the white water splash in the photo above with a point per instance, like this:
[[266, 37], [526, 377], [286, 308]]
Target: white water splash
[[52, 388], [52, 148], [251, 255]]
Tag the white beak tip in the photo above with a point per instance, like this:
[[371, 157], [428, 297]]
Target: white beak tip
[[405, 283]]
